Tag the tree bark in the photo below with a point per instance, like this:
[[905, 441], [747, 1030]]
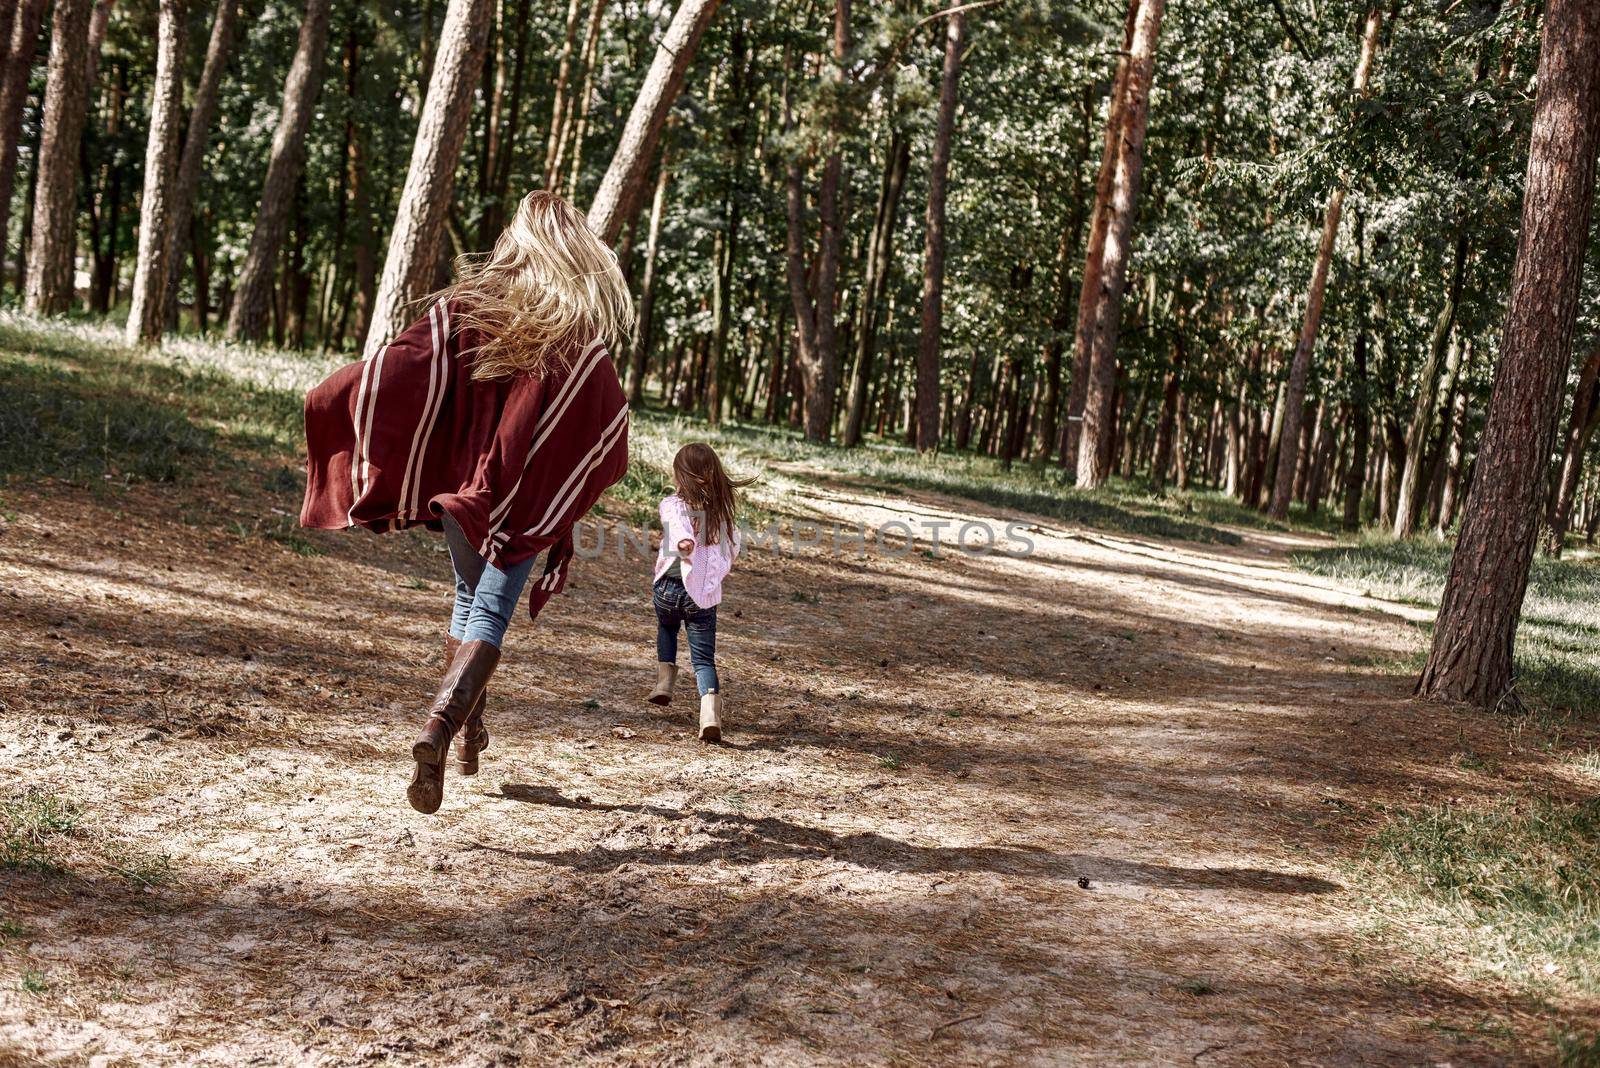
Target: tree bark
[[22, 45], [933, 255], [619, 189], [415, 244], [252, 300], [558, 99], [647, 289], [160, 172], [1471, 657], [1429, 398], [201, 114], [1099, 413], [1360, 437], [66, 100], [1580, 429], [1300, 369], [1089, 285], [879, 261]]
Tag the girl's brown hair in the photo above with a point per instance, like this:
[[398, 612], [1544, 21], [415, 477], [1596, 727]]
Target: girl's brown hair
[[706, 488]]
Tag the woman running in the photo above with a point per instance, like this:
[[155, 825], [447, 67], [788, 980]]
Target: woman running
[[496, 419]]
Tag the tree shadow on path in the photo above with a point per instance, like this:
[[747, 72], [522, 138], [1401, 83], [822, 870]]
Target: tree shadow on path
[[760, 839]]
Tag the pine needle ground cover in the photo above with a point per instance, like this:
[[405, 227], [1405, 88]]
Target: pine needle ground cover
[[1133, 785]]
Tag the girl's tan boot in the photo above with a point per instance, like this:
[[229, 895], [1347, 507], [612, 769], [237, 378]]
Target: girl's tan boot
[[666, 677], [711, 717]]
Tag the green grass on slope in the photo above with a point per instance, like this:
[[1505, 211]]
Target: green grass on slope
[[81, 408], [1558, 642]]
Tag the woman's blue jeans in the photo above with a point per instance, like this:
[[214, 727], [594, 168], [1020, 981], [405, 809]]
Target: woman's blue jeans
[[675, 608], [486, 596]]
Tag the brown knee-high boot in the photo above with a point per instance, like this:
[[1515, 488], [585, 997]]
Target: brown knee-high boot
[[474, 736], [461, 690]]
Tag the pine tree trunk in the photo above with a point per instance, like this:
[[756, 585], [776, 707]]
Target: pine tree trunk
[[1428, 400], [879, 261], [569, 154], [416, 243], [1580, 429], [23, 45], [558, 99], [630, 163], [252, 300], [1094, 261], [933, 256], [1170, 393], [1300, 369], [1099, 414], [647, 290], [1053, 432], [160, 173], [1471, 658], [66, 100], [201, 114]]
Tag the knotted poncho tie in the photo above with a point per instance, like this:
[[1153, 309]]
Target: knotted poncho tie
[[409, 435]]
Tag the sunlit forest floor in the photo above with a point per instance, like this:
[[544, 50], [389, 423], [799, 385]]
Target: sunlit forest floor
[[1153, 794]]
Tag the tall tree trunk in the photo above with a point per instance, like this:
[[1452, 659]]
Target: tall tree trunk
[[1429, 399], [1050, 428], [160, 172], [66, 100], [99, 22], [558, 99], [1099, 414], [417, 240], [879, 262], [22, 45], [252, 300], [1094, 261], [503, 148], [1471, 658], [570, 148], [647, 290], [1300, 369], [928, 341], [1580, 429], [201, 114], [630, 163], [1360, 437], [363, 254], [1172, 390]]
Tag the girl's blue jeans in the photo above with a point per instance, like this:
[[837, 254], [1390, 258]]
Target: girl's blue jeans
[[675, 608], [486, 596]]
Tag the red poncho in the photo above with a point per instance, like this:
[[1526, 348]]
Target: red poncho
[[402, 438]]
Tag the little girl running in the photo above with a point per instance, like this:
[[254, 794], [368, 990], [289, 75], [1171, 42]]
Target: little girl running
[[699, 542]]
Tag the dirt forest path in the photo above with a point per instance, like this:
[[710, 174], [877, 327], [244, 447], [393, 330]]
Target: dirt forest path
[[1088, 806]]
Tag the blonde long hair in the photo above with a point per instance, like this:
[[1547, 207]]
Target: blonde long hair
[[548, 287]]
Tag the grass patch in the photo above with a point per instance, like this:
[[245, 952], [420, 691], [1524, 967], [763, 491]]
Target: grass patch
[[82, 408], [1519, 880], [1558, 641], [33, 825], [44, 833]]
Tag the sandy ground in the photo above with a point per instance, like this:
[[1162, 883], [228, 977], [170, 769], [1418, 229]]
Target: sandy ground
[[1099, 805]]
